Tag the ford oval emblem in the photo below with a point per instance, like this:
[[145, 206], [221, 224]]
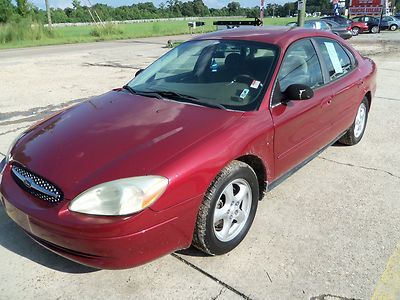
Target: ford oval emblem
[[28, 183]]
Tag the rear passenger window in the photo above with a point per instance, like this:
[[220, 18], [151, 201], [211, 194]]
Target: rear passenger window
[[337, 60]]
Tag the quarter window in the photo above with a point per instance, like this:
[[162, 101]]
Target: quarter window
[[337, 60]]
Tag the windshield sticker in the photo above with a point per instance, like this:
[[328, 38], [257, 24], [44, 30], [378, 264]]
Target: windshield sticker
[[255, 84], [334, 57], [244, 93]]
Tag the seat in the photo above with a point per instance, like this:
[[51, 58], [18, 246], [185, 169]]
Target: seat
[[294, 70]]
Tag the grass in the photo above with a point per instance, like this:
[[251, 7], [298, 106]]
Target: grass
[[23, 30], [68, 35]]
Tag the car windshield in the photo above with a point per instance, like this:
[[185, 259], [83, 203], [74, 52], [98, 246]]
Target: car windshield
[[224, 74]]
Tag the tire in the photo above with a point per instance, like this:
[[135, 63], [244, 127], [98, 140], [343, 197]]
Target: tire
[[355, 30], [374, 29], [223, 220], [355, 133], [393, 27]]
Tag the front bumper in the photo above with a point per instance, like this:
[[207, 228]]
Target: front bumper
[[100, 242]]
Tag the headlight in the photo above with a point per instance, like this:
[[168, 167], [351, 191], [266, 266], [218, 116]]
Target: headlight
[[6, 159], [120, 197], [3, 164]]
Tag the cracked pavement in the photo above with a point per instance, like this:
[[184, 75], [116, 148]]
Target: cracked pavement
[[325, 233]]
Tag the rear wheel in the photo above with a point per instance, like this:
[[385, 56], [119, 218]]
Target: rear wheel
[[228, 210], [355, 30], [374, 29], [393, 27], [355, 133]]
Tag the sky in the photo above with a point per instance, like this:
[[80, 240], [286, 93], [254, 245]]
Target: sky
[[209, 3]]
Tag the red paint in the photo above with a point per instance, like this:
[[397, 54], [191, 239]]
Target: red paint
[[361, 25], [119, 135]]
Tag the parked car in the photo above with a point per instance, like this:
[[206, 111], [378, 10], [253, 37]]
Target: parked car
[[344, 31], [356, 27], [317, 24], [182, 154], [313, 24], [373, 23], [327, 25], [359, 27], [397, 16], [338, 19], [393, 22]]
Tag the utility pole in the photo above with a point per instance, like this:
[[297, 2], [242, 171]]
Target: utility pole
[[262, 10], [48, 13], [301, 12]]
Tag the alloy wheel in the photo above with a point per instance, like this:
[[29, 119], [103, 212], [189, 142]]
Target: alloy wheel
[[360, 120], [232, 210]]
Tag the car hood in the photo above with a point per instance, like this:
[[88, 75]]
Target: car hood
[[114, 136]]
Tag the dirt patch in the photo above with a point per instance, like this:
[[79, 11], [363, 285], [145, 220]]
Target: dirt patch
[[376, 47]]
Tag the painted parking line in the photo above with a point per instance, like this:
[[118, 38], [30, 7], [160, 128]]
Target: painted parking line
[[388, 286]]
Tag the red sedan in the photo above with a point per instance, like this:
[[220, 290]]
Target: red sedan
[[182, 154], [359, 27]]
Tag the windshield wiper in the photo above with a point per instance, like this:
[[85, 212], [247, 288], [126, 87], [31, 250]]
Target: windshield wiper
[[129, 89], [141, 93], [174, 96], [187, 98]]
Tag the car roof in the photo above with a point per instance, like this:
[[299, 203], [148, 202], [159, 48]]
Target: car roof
[[333, 17], [282, 36]]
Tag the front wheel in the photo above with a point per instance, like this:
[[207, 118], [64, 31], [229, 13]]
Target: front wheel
[[393, 27], [228, 210], [355, 133]]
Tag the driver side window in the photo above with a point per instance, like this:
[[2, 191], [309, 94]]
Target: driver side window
[[299, 66]]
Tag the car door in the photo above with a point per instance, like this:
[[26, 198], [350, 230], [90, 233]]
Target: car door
[[345, 84], [299, 126]]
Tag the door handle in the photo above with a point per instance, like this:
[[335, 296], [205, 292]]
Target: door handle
[[327, 101]]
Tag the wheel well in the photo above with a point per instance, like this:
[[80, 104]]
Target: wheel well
[[369, 98], [258, 166]]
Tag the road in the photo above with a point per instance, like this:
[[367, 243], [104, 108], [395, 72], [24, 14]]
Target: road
[[328, 232]]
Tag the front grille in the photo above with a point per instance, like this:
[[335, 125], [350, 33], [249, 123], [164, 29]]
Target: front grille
[[36, 185]]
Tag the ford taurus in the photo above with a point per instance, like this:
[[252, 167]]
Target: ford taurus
[[182, 154]]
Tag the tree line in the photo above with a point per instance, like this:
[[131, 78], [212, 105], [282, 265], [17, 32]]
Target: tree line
[[10, 10]]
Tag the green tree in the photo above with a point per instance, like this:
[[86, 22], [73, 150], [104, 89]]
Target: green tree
[[23, 7], [6, 10], [233, 8], [253, 12], [187, 9], [199, 8], [175, 8], [76, 4]]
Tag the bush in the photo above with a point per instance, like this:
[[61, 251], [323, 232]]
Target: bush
[[23, 29], [106, 30]]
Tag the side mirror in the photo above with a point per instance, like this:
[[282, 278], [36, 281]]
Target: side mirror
[[298, 92], [138, 72]]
